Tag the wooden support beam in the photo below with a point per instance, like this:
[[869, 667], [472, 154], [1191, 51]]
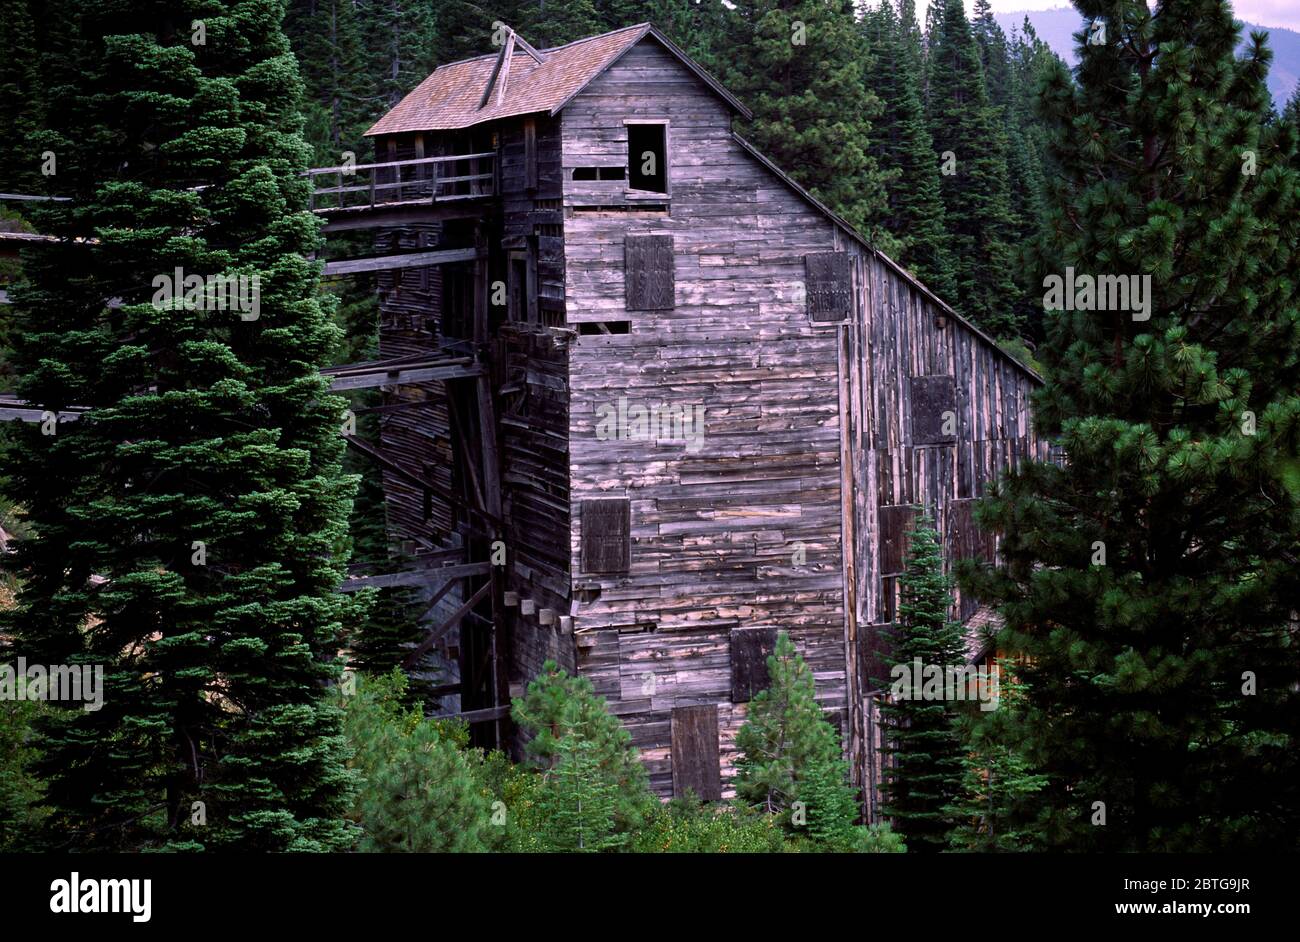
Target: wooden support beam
[[546, 616], [510, 598], [527, 606], [432, 637], [352, 266], [394, 215], [566, 624], [487, 715], [397, 377], [430, 577]]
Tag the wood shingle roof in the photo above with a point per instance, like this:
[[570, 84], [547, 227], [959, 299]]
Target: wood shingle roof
[[519, 80]]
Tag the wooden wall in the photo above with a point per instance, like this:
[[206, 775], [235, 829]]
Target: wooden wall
[[714, 531], [819, 437]]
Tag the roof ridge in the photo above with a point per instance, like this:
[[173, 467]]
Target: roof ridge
[[587, 39]]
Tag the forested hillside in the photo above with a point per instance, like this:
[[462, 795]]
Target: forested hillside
[[190, 531]]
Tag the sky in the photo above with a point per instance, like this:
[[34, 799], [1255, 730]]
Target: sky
[[1284, 13]]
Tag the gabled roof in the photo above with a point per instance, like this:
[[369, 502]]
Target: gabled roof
[[520, 80]]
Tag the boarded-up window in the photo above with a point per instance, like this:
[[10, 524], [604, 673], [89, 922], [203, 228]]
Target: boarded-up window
[[873, 646], [649, 278], [695, 752], [965, 538], [606, 535], [934, 410], [750, 649], [829, 284], [895, 522], [967, 541]]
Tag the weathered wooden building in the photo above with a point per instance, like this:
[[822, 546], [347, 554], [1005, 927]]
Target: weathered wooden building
[[649, 401]]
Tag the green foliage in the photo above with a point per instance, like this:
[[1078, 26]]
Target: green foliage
[[784, 736], [690, 826], [901, 144], [419, 792], [576, 801], [966, 126], [203, 427], [923, 767], [20, 789], [997, 780], [1150, 577], [830, 805], [557, 706], [798, 65]]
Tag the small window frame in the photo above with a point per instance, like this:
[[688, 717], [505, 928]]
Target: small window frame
[[651, 195]]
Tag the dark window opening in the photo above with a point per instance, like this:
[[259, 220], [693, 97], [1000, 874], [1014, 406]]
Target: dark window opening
[[601, 328], [519, 289], [643, 208], [647, 157], [599, 173]]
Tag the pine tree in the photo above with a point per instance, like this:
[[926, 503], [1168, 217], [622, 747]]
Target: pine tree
[[798, 65], [203, 483], [21, 105], [784, 735], [547, 23], [418, 791], [971, 158], [902, 148], [340, 100], [577, 802], [557, 705], [1151, 579], [923, 752], [830, 805], [405, 42], [997, 780]]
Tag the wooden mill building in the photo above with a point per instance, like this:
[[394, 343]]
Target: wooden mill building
[[647, 400]]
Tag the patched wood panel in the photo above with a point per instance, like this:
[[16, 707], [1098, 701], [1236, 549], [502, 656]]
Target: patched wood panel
[[829, 285], [895, 522], [967, 541], [750, 649], [873, 646], [649, 272], [934, 410], [695, 752], [606, 535]]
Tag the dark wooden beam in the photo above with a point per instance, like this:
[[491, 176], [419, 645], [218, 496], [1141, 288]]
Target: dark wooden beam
[[487, 715], [432, 576], [432, 637], [388, 376], [352, 266]]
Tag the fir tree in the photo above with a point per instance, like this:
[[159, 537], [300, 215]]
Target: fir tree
[[557, 705], [997, 779], [970, 156], [902, 147], [923, 752], [203, 483], [830, 805], [798, 65], [547, 23], [340, 98], [784, 735], [1151, 579], [577, 802]]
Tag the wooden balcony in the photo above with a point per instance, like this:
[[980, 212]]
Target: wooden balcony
[[364, 196]]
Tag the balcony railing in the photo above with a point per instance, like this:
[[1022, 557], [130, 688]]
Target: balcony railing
[[422, 180]]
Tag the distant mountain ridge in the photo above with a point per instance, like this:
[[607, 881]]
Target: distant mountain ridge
[[1056, 28]]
